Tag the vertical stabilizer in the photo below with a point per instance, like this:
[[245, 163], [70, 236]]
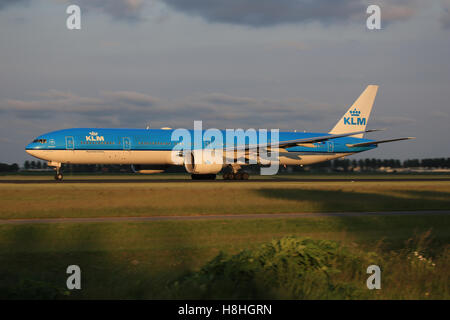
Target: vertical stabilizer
[[357, 116]]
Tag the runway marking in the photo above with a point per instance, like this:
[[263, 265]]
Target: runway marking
[[222, 217]]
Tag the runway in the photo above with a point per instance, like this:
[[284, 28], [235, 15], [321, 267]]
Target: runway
[[222, 217], [106, 180]]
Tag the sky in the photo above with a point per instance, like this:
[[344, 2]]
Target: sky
[[274, 64]]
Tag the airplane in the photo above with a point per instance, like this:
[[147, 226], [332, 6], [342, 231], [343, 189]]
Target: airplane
[[151, 150]]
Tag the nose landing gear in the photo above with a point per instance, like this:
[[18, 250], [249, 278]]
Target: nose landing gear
[[58, 176], [57, 166]]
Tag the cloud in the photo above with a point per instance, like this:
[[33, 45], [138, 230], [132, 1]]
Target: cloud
[[57, 102], [395, 12], [129, 10], [268, 12], [391, 121], [445, 15], [130, 97], [262, 13], [296, 45], [7, 3], [219, 98], [256, 13], [440, 115], [134, 109]]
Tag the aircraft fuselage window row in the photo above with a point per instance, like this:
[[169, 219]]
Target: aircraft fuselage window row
[[141, 143], [43, 141]]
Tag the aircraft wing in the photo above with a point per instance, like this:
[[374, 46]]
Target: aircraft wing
[[365, 144], [294, 143]]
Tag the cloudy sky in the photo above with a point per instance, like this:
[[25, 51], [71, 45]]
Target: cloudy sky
[[287, 64]]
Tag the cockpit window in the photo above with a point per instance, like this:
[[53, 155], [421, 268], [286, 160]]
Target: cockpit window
[[40, 141]]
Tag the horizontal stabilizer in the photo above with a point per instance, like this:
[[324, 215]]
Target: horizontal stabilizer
[[365, 144]]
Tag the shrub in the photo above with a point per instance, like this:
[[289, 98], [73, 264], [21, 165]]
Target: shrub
[[288, 268], [37, 290]]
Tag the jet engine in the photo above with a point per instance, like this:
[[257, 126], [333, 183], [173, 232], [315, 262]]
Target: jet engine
[[198, 162]]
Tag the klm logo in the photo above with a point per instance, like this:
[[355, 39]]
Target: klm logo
[[355, 119], [93, 136]]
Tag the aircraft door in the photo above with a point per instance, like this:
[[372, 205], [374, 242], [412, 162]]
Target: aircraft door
[[126, 154], [330, 145], [126, 143], [69, 143]]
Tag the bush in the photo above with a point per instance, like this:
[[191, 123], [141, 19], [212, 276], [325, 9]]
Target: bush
[[289, 268], [37, 290], [9, 167]]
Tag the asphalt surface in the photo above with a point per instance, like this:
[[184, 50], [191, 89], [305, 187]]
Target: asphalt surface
[[223, 217], [70, 181]]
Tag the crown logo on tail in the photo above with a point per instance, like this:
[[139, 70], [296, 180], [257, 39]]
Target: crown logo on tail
[[355, 112]]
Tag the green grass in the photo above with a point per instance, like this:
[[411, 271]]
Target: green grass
[[296, 267], [203, 198], [140, 260]]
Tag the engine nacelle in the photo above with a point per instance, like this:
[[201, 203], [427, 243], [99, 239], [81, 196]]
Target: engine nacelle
[[148, 169], [203, 162]]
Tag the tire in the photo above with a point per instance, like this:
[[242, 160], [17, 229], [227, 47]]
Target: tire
[[245, 176], [238, 176], [59, 177]]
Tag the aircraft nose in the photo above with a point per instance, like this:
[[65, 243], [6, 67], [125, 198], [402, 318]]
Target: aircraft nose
[[32, 150], [31, 145], [29, 148]]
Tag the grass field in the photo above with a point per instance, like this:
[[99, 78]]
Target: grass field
[[141, 260], [203, 198]]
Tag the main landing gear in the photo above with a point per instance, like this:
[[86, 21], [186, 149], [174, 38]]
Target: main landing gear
[[235, 172]]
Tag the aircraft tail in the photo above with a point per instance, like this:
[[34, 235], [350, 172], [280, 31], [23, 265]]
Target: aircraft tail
[[357, 116]]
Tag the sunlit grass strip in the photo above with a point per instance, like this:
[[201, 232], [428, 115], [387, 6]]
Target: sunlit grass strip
[[141, 199]]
